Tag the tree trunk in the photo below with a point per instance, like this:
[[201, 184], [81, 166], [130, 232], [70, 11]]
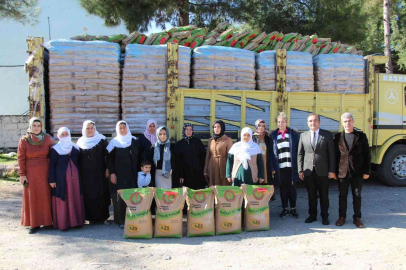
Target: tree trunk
[[183, 12], [386, 24]]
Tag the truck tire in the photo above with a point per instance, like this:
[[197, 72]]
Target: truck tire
[[392, 170]]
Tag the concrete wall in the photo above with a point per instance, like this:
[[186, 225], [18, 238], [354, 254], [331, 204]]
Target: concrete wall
[[12, 127]]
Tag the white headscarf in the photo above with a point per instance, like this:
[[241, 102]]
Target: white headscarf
[[121, 141], [243, 151], [85, 142], [151, 137], [64, 146]]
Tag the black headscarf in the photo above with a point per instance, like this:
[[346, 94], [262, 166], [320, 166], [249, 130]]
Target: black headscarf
[[183, 132], [223, 129]]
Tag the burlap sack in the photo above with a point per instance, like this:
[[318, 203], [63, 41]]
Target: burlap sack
[[200, 212], [256, 209], [169, 215], [228, 209], [138, 220]]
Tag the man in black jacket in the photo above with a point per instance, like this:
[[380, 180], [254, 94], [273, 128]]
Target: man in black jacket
[[353, 159]]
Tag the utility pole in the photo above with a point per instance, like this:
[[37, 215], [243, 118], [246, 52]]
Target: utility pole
[[386, 25]]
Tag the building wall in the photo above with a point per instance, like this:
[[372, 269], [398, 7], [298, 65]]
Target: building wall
[[12, 127]]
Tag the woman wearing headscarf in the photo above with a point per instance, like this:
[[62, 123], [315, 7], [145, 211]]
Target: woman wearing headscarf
[[265, 143], [244, 162], [285, 146], [146, 141], [93, 173], [33, 165], [122, 163], [190, 158], [164, 160], [67, 195], [216, 156]]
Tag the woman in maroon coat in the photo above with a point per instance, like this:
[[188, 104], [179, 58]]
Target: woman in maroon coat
[[33, 163]]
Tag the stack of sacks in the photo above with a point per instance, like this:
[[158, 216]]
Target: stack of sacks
[[265, 67], [84, 79], [223, 68], [299, 71], [144, 84], [339, 73]]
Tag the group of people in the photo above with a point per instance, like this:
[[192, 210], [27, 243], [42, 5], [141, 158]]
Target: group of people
[[67, 183]]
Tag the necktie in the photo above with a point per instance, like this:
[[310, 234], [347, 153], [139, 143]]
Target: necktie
[[314, 140]]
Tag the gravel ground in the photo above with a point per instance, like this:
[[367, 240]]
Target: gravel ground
[[290, 244]]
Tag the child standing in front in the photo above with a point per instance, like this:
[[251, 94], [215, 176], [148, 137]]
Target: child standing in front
[[144, 176]]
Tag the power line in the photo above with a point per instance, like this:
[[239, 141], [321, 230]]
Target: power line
[[12, 66]]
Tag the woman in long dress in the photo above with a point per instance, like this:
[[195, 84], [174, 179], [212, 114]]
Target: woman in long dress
[[33, 165], [164, 159], [67, 195], [123, 167], [93, 173], [190, 158], [244, 162], [216, 156]]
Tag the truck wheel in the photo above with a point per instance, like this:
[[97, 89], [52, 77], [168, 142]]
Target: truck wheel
[[392, 170]]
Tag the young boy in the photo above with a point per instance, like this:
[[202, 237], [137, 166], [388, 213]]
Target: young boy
[[144, 176]]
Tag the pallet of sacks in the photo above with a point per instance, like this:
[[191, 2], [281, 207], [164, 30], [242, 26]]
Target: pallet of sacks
[[84, 83], [223, 68], [299, 71], [339, 73], [144, 85]]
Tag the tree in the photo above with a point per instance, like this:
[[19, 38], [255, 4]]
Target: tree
[[22, 11], [398, 36], [342, 20], [374, 40], [138, 15], [386, 26]]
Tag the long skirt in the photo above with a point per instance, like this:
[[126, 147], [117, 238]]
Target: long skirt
[[36, 208], [71, 212], [161, 181]]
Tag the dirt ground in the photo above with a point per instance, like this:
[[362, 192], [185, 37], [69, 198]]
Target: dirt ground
[[290, 244]]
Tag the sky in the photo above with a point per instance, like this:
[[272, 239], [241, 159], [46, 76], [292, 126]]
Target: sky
[[67, 19]]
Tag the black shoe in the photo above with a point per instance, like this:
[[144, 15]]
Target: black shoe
[[294, 213], [33, 230], [284, 213], [325, 221], [310, 219]]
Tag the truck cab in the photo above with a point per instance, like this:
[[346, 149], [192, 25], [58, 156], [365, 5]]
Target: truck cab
[[389, 128]]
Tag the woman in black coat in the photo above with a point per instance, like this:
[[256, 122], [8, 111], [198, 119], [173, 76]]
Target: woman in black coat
[[190, 158], [265, 142], [285, 146], [93, 173], [163, 153], [123, 167], [146, 141]]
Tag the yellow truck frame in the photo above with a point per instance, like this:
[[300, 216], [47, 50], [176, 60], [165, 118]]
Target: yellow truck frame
[[380, 113], [366, 109]]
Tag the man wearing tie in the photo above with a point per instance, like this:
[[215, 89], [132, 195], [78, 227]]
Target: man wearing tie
[[316, 164]]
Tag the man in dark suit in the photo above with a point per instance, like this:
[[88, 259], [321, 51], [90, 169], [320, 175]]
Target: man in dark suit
[[316, 164], [353, 165]]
